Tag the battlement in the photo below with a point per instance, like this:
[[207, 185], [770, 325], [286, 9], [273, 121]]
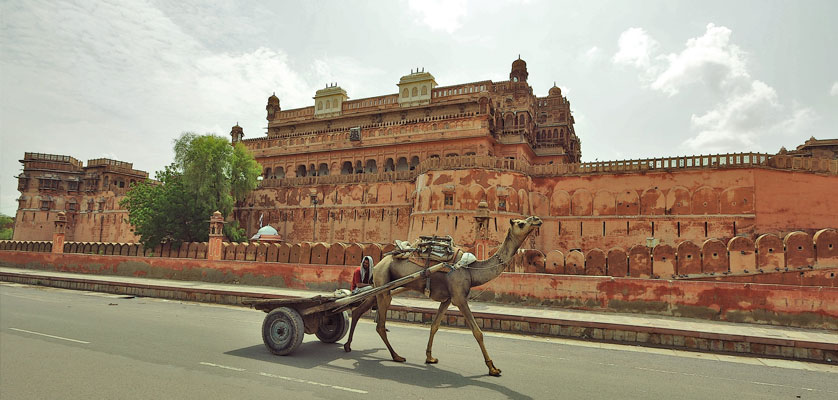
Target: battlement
[[52, 157]]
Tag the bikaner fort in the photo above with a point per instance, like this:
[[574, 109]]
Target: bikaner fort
[[745, 237]]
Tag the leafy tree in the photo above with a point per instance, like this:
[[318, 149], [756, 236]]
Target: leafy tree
[[7, 227], [208, 174]]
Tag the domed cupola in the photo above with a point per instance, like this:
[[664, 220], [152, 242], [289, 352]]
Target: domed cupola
[[272, 107], [555, 91], [236, 133], [519, 70]]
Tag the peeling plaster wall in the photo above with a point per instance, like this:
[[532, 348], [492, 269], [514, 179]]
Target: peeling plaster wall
[[810, 307]]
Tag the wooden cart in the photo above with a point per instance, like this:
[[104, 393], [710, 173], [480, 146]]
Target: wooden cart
[[325, 316]]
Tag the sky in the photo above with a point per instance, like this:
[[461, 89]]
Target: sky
[[123, 79]]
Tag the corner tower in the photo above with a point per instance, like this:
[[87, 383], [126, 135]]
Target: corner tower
[[519, 71]]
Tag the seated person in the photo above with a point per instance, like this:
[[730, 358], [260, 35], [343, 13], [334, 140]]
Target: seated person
[[362, 278]]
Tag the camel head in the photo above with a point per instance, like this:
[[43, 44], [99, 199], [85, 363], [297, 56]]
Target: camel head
[[521, 228]]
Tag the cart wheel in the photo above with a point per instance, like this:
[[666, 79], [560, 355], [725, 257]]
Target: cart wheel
[[282, 331], [333, 327]]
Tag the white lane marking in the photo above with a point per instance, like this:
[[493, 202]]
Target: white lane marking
[[50, 336], [287, 378], [222, 366], [313, 383]]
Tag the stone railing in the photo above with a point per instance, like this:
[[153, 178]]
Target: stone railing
[[718, 161], [740, 256]]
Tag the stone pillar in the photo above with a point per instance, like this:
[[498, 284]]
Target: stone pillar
[[216, 234], [58, 235]]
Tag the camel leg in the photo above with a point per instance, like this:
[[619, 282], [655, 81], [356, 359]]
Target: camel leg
[[356, 315], [462, 304], [383, 305], [434, 327]]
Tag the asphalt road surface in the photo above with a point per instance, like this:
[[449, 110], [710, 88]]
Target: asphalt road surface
[[61, 344]]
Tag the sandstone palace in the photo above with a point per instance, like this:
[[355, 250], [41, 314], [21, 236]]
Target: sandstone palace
[[461, 160]]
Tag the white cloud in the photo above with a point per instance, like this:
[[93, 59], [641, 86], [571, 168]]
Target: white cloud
[[834, 90], [635, 48], [123, 77], [747, 110], [439, 15], [592, 55]]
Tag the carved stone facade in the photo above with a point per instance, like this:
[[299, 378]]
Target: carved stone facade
[[89, 197], [461, 160]]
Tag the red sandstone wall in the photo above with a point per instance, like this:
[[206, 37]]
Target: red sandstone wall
[[768, 304], [789, 201]]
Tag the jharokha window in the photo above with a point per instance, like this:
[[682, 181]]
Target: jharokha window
[[48, 183]]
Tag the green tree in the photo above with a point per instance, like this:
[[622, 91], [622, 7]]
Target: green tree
[[208, 174], [7, 227]]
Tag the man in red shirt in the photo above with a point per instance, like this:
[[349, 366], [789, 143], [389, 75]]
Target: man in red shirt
[[362, 278]]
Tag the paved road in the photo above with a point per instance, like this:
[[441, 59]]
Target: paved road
[[65, 344]]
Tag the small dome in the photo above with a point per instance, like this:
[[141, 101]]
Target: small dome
[[555, 91], [273, 99], [266, 230], [519, 63]]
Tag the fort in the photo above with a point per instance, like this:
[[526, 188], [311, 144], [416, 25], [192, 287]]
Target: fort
[[461, 160]]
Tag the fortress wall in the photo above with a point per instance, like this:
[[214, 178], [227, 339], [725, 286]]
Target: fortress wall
[[795, 200], [811, 307]]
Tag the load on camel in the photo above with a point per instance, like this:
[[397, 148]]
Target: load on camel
[[445, 287]]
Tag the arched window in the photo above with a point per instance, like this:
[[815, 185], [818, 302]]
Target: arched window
[[414, 161], [401, 165], [323, 170], [328, 104], [319, 105], [311, 170], [521, 120], [267, 173], [405, 93], [515, 79], [389, 165], [424, 90], [371, 168], [301, 170], [415, 92], [346, 169], [279, 172]]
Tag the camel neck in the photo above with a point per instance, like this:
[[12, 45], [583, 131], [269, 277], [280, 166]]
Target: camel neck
[[485, 271]]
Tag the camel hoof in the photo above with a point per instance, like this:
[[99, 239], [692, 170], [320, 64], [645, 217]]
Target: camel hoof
[[399, 359], [431, 360], [492, 370], [347, 348]]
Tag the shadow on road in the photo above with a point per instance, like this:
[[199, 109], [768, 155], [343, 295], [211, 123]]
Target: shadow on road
[[368, 363]]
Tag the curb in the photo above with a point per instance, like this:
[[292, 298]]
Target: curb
[[585, 330]]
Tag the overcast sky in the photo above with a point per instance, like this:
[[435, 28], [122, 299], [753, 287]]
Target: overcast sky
[[122, 79]]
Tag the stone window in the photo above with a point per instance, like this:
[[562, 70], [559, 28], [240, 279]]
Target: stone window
[[45, 204], [71, 207], [449, 199], [415, 92], [405, 93], [424, 90], [72, 186], [319, 105]]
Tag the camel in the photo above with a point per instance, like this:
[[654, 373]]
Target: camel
[[446, 288]]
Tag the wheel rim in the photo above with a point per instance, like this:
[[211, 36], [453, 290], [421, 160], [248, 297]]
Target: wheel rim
[[280, 332]]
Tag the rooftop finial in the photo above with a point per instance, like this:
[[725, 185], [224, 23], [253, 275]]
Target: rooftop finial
[[519, 56]]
